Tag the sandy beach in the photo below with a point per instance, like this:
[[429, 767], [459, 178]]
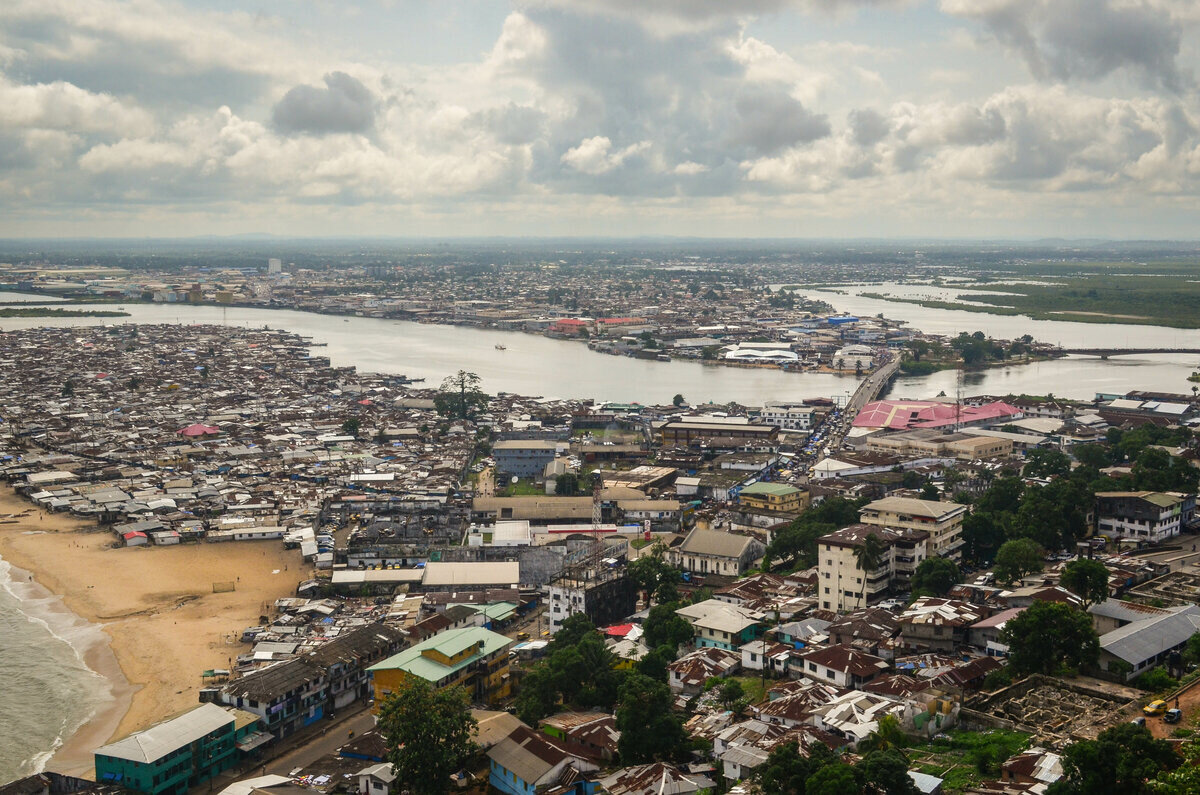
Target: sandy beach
[[156, 603]]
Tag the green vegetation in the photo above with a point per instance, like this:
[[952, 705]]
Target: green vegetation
[[935, 577], [428, 734], [578, 670], [45, 311], [522, 488], [1017, 558], [1050, 638], [967, 757], [1087, 579], [795, 547], [459, 396], [1121, 761], [1159, 294]]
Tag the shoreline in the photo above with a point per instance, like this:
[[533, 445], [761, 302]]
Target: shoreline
[[158, 621], [74, 755]]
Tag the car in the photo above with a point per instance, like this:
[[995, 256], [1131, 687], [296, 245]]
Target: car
[[1156, 707], [1139, 722], [1173, 716]]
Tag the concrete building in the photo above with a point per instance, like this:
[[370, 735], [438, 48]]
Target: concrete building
[[723, 625], [472, 657], [774, 497], [525, 458], [717, 434], [789, 418], [1147, 516], [842, 585], [716, 552], [605, 595], [942, 520], [177, 754]]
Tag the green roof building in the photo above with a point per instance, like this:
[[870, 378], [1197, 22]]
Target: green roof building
[[473, 657]]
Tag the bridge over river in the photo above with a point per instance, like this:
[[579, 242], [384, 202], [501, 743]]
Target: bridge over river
[[1105, 353]]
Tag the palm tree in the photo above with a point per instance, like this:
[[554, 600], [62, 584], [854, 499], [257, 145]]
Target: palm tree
[[887, 735], [869, 556], [841, 364]]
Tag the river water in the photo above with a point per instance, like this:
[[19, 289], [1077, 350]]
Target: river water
[[534, 365]]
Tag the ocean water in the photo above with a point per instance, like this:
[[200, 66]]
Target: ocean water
[[47, 691]]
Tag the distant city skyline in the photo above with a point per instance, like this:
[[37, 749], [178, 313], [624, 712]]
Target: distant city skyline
[[912, 119]]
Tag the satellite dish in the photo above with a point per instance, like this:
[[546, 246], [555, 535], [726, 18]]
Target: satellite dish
[[515, 479]]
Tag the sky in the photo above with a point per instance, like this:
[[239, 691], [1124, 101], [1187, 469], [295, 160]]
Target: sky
[[713, 118]]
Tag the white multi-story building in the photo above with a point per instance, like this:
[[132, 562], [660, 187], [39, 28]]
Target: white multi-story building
[[789, 418], [843, 585], [942, 520], [1150, 516]]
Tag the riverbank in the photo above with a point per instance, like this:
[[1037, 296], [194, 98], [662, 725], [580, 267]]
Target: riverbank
[[155, 603], [12, 311], [1077, 316]]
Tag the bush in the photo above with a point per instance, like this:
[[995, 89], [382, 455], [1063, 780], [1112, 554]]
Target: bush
[[1156, 680], [997, 679]]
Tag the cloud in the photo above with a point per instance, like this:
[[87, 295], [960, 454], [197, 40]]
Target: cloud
[[1085, 39], [343, 105], [772, 120], [63, 106], [867, 126], [595, 155]]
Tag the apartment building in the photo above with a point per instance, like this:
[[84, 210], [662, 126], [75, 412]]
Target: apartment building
[[942, 520], [1149, 516]]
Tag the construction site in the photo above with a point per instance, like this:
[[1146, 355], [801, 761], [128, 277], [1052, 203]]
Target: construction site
[[1056, 711]]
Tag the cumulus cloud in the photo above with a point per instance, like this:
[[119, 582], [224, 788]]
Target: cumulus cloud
[[772, 120], [596, 156], [1085, 39], [343, 105]]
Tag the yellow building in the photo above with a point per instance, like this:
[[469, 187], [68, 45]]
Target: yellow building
[[473, 657], [774, 497]]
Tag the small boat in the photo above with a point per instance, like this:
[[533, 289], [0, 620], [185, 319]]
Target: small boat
[[501, 348], [345, 320]]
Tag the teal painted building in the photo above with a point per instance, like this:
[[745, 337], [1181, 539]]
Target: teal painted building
[[175, 755]]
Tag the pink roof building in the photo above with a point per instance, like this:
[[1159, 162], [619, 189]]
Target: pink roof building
[[901, 415], [198, 430]]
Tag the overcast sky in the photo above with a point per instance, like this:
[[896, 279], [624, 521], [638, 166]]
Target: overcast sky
[[804, 118]]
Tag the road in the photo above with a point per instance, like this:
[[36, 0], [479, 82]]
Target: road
[[868, 390], [334, 738]]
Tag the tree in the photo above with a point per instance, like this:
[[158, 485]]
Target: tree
[[428, 734], [68, 388], [930, 492], [649, 729], [1185, 779], [538, 694], [649, 570], [1017, 558], [731, 695], [351, 427], [982, 537], [919, 348], [1046, 636], [887, 736], [1088, 579], [887, 772], [566, 485], [663, 627], [935, 576], [460, 396], [1121, 761], [1043, 463], [1191, 651], [1092, 455], [912, 479], [678, 400], [786, 772], [868, 555], [836, 778]]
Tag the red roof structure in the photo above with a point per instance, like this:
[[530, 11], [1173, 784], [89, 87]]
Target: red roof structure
[[901, 415], [193, 431]]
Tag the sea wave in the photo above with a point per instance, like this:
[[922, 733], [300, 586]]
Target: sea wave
[[49, 691]]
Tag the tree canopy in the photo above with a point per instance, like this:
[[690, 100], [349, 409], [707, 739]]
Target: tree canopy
[[935, 577], [1121, 761], [459, 396], [1017, 558], [650, 730], [795, 547], [428, 734], [1088, 579], [1048, 636]]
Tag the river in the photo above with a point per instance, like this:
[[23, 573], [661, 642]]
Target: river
[[535, 365]]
